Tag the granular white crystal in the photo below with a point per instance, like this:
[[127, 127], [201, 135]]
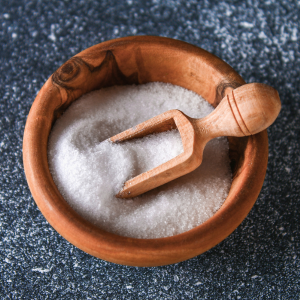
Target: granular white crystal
[[89, 170]]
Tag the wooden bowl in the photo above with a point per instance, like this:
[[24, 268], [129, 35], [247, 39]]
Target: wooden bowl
[[138, 60]]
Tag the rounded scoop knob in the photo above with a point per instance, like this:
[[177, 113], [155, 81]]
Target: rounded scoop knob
[[255, 107], [247, 110]]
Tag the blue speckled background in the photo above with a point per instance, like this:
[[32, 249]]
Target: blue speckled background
[[260, 39]]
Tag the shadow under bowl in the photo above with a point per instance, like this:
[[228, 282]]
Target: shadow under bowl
[[138, 60]]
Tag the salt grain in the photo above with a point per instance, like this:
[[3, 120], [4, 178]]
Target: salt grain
[[89, 170]]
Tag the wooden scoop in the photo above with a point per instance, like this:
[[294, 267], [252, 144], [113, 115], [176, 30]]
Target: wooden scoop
[[248, 110]]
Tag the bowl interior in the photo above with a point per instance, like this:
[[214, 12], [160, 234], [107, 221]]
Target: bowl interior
[[138, 60]]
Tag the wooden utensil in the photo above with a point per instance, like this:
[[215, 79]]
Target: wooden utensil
[[247, 110]]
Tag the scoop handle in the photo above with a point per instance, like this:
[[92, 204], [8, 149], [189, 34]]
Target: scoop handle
[[247, 110]]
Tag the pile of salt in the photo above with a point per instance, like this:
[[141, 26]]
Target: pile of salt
[[89, 170]]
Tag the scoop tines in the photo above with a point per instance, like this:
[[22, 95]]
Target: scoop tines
[[247, 110]]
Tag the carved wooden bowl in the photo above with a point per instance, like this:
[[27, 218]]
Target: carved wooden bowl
[[137, 60]]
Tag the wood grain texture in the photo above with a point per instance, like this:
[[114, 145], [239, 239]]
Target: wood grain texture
[[139, 60], [245, 111]]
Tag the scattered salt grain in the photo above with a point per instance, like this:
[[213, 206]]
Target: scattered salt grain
[[89, 170]]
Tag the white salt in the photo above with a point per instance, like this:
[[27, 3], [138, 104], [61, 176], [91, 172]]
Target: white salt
[[89, 170]]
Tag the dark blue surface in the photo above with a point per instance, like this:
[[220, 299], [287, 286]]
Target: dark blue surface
[[260, 40]]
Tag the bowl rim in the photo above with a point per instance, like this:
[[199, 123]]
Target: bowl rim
[[124, 250]]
